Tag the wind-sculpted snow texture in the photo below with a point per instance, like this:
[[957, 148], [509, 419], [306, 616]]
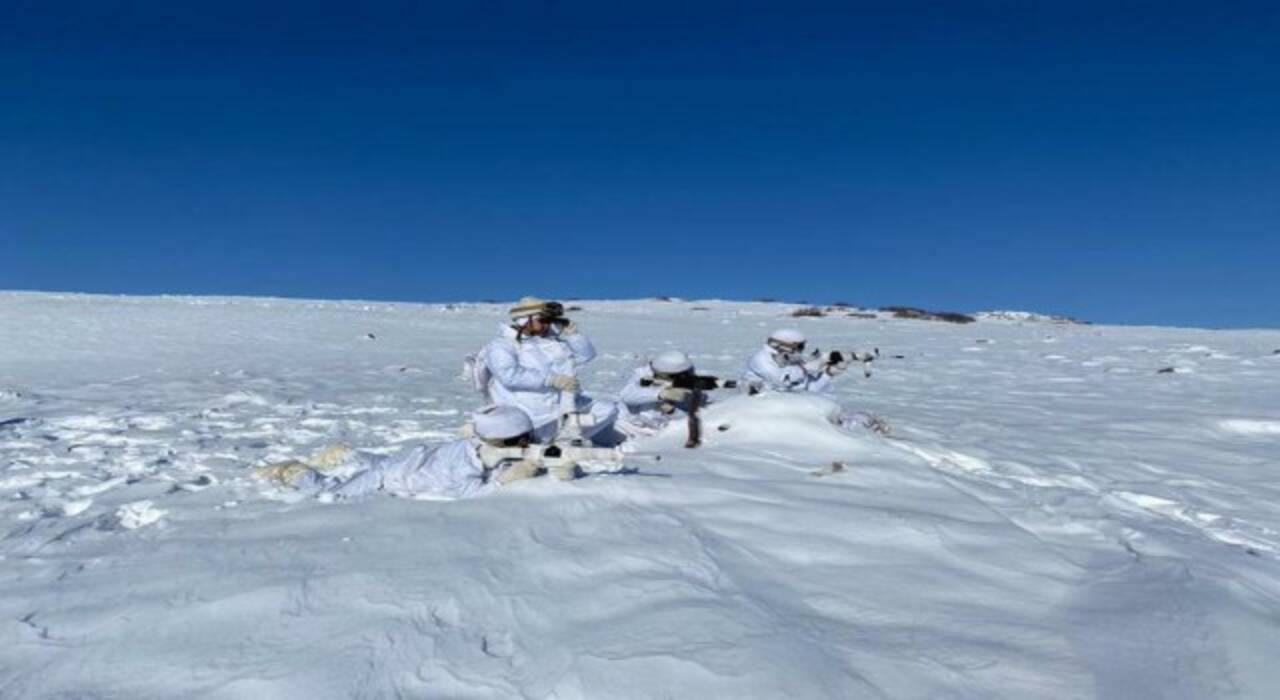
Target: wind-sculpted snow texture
[[1051, 518]]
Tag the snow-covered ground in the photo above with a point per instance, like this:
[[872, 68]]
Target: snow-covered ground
[[1052, 518]]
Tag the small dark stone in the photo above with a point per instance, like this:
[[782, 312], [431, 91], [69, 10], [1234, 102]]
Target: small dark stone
[[923, 315], [808, 312], [1166, 370], [952, 317], [370, 336]]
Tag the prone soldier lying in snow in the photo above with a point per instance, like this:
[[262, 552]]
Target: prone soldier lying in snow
[[498, 452]]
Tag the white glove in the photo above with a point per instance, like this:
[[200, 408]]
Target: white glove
[[568, 329], [815, 365], [794, 376], [836, 369], [563, 382], [674, 394]]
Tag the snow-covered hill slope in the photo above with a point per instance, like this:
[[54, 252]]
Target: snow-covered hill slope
[[1052, 518]]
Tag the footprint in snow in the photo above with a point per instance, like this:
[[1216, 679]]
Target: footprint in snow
[[1212, 525], [132, 516]]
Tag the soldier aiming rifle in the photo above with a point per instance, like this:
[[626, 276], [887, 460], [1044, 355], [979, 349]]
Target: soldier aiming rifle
[[664, 387]]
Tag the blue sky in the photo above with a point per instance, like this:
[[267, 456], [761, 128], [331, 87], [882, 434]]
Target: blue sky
[[1114, 161]]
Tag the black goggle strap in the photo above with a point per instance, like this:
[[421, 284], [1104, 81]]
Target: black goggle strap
[[786, 347]]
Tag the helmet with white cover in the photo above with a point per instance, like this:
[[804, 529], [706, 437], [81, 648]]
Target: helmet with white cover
[[787, 340], [533, 306], [500, 423], [669, 362]]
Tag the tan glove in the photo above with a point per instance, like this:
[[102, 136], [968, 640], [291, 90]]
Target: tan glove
[[524, 469], [565, 472], [674, 394], [563, 382], [328, 458], [282, 473]]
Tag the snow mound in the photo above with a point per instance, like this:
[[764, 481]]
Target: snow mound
[[800, 422], [1242, 426], [1022, 317]]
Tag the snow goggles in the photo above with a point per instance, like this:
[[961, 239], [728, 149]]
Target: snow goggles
[[782, 346], [551, 311]]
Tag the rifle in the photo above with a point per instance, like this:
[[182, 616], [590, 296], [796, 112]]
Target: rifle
[[692, 382], [571, 424], [696, 385], [562, 461], [551, 456], [837, 358]]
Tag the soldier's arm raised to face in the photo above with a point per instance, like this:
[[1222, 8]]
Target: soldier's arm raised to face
[[581, 347]]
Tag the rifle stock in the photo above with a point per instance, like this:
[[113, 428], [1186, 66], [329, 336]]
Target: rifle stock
[[549, 456]]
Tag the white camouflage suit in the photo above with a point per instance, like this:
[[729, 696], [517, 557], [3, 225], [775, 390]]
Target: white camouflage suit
[[451, 470], [643, 403], [519, 368], [766, 371]]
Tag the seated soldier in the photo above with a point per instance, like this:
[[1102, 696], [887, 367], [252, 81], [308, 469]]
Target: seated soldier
[[533, 365]]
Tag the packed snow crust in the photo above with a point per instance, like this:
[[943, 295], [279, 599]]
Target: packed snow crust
[[1051, 517]]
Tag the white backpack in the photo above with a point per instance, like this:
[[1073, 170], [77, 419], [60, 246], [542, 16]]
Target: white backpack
[[475, 369]]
